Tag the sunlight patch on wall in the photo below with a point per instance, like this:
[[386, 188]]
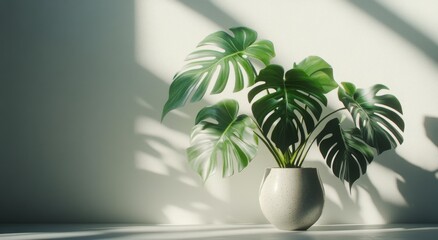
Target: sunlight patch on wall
[[178, 215], [144, 103], [333, 195], [165, 23], [218, 188], [167, 150], [150, 163], [200, 206], [150, 127], [385, 181], [188, 181], [174, 31]]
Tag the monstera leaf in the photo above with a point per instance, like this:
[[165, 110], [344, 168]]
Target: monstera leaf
[[377, 116], [220, 135], [344, 151], [212, 62], [292, 101]]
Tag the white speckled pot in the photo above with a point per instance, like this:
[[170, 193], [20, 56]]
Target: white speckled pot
[[291, 198]]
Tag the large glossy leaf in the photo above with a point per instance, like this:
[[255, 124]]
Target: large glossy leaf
[[216, 57], [292, 103], [377, 116], [344, 151], [221, 136]]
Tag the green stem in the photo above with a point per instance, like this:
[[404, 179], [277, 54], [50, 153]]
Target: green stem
[[305, 109], [301, 146], [293, 156], [289, 158], [300, 150], [270, 146], [307, 151], [270, 149], [301, 157], [293, 147]]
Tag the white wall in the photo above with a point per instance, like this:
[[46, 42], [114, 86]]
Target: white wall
[[86, 81]]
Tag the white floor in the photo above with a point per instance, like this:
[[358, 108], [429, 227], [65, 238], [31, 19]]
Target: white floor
[[209, 232]]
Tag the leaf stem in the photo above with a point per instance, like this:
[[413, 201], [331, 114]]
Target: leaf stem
[[278, 158]]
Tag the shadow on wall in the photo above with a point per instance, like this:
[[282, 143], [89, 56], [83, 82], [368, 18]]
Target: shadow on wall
[[172, 193], [77, 92], [415, 183], [209, 10], [397, 24], [339, 207], [416, 186], [431, 126]]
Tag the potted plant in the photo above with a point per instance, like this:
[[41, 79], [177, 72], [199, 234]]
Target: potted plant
[[289, 114]]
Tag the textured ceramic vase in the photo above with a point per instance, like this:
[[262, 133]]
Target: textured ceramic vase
[[291, 198]]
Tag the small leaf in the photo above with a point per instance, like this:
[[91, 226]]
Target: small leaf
[[221, 136], [349, 88], [319, 71]]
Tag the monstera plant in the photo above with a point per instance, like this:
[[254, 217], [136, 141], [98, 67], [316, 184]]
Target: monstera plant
[[289, 110]]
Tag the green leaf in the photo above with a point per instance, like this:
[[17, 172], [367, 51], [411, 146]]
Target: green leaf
[[293, 105], [349, 88], [377, 116], [344, 151], [319, 71], [221, 136], [222, 53]]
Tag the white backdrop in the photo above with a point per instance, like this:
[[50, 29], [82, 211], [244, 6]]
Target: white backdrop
[[86, 81]]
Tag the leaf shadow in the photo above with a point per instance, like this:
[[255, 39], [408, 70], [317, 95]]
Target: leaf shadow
[[416, 185], [210, 11], [400, 26]]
